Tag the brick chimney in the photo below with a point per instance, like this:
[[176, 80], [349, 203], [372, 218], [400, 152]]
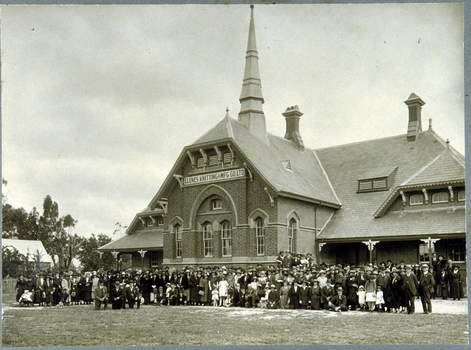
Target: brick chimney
[[292, 115], [415, 104]]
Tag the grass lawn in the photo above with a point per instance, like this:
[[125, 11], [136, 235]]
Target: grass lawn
[[197, 325]]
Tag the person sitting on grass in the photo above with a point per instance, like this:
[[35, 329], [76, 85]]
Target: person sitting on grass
[[273, 300], [171, 294], [338, 302], [101, 296]]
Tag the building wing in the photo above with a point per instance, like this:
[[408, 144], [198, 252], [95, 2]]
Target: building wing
[[365, 211]]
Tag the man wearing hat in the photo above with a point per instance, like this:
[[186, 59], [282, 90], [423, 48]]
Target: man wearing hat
[[304, 295], [294, 295], [410, 285], [273, 301], [101, 296], [117, 297], [427, 284], [39, 294], [339, 301]]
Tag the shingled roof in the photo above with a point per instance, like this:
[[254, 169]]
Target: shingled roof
[[288, 170], [427, 159], [446, 167]]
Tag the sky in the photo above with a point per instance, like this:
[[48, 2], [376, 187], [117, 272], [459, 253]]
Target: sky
[[99, 101]]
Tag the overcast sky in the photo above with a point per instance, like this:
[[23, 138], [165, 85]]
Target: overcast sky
[[98, 101]]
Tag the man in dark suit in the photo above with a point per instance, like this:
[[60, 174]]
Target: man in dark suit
[[410, 285], [427, 284], [294, 296], [117, 297], [327, 293], [304, 295], [339, 301], [101, 296]]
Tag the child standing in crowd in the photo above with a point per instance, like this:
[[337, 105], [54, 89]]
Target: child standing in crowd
[[215, 296], [361, 298], [379, 299], [223, 286]]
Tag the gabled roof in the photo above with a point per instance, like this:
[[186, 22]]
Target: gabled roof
[[28, 248], [347, 163], [304, 178], [444, 168]]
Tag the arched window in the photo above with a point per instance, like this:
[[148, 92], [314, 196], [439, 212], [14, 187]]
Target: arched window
[[260, 236], [416, 199], [226, 234], [292, 229], [177, 230], [440, 197], [208, 239]]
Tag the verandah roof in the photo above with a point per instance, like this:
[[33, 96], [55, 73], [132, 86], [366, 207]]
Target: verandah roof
[[146, 240]]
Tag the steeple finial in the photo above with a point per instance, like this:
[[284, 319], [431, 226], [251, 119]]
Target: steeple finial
[[251, 98]]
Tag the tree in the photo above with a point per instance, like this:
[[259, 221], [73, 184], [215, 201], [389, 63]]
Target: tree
[[89, 256], [13, 262], [14, 221], [57, 241]]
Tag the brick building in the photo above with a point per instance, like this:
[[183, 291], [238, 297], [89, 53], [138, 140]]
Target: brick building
[[239, 195]]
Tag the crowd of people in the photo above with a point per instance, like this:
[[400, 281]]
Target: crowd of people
[[294, 281]]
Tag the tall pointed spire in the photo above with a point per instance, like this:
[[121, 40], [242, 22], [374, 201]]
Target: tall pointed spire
[[251, 98]]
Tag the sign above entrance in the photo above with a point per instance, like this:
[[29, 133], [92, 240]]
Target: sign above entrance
[[214, 177]]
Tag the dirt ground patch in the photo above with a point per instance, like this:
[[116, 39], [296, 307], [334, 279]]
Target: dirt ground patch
[[195, 325]]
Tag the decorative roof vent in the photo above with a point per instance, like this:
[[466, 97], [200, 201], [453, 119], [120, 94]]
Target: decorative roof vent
[[286, 164]]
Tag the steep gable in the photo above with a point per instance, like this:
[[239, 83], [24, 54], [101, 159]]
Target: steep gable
[[444, 168]]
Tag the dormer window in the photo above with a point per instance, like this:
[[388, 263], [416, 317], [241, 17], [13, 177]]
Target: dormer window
[[149, 222], [376, 179], [216, 204], [160, 221], [368, 185]]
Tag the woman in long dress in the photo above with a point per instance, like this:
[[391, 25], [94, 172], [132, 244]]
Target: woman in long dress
[[194, 282], [284, 295], [204, 292], [455, 283]]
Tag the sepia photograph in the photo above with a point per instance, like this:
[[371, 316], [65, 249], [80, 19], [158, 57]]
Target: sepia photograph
[[233, 174]]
